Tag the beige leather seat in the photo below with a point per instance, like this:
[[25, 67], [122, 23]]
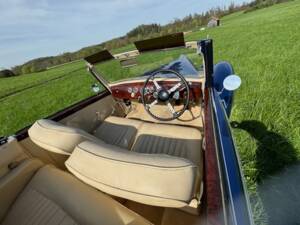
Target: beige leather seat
[[55, 197], [163, 168], [56, 137]]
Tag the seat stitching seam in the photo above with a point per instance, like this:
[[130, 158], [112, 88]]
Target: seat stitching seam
[[155, 166], [75, 131]]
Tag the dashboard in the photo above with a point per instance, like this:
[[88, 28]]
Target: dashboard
[[132, 90]]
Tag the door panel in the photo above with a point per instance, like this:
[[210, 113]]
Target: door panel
[[90, 117], [10, 153], [16, 169], [45, 156]]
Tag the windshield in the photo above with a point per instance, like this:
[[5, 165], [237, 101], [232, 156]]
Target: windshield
[[183, 60]]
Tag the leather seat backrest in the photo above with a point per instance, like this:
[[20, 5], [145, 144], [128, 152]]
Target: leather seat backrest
[[153, 179], [58, 138]]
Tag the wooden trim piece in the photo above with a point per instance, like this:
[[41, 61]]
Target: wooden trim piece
[[120, 91], [212, 184]]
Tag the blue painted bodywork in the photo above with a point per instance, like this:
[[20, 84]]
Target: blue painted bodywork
[[221, 71], [181, 65], [236, 195]]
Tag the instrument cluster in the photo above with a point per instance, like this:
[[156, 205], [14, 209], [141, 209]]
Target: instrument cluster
[[133, 91]]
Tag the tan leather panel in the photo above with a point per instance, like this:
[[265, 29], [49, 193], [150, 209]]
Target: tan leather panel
[[118, 131], [68, 201], [91, 116], [14, 182], [191, 117], [147, 178], [47, 157], [10, 152]]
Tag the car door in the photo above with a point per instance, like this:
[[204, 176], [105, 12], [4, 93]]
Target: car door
[[226, 195], [235, 197]]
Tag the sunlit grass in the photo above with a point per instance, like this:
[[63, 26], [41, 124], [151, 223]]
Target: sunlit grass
[[13, 84]]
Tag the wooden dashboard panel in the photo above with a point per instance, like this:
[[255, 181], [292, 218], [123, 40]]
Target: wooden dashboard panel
[[132, 90]]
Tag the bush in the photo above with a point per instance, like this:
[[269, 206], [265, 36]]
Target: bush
[[6, 73]]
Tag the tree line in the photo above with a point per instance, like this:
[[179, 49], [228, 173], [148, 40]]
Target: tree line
[[188, 23]]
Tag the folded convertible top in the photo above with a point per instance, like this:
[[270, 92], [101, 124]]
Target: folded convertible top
[[98, 57], [167, 41]]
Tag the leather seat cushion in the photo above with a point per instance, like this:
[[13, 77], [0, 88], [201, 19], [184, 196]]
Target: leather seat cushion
[[56, 137], [55, 197], [153, 179], [184, 142], [118, 131]]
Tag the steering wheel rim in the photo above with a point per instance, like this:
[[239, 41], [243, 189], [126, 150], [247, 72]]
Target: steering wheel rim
[[175, 114]]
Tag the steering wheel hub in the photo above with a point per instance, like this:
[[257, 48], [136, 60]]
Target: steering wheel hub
[[163, 95]]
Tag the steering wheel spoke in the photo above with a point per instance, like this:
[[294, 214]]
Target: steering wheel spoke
[[158, 87], [171, 109], [152, 104], [174, 88]]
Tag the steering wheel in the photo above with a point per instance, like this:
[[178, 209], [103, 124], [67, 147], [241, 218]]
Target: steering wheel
[[169, 96]]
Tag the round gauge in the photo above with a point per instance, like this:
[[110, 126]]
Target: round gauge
[[129, 90], [151, 89], [135, 90], [176, 95], [147, 90]]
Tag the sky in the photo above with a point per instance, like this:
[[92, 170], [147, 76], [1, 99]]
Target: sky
[[37, 28]]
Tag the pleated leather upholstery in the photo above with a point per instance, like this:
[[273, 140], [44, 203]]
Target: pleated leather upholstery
[[54, 197], [118, 131], [171, 140], [34, 208]]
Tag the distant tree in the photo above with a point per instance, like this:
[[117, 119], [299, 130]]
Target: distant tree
[[6, 73]]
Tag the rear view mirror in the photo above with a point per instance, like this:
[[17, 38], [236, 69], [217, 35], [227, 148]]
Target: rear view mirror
[[232, 82]]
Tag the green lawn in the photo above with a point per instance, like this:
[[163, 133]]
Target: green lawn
[[264, 48], [21, 109], [126, 48], [14, 84]]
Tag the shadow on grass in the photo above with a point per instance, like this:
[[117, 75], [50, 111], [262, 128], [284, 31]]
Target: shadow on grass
[[278, 173]]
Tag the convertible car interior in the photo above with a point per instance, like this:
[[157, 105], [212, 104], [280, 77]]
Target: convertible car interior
[[132, 155]]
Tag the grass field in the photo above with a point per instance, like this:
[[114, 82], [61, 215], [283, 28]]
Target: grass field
[[264, 48]]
